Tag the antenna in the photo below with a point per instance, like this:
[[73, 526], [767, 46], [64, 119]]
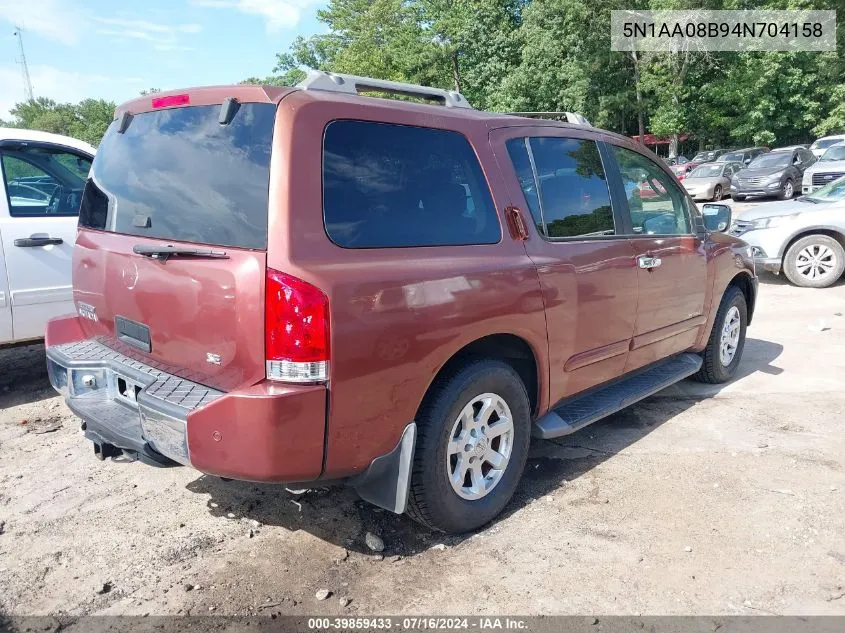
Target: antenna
[[27, 82]]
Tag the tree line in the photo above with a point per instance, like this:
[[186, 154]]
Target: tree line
[[553, 55]]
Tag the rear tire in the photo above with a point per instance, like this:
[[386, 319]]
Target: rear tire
[[454, 488], [727, 339], [738, 198], [815, 261]]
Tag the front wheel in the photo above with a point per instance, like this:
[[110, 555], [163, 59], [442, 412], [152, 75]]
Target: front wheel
[[788, 190], [472, 443], [717, 193], [727, 339], [815, 261]]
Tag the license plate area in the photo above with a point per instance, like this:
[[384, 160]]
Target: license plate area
[[126, 390]]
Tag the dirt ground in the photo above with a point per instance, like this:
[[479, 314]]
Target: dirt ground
[[697, 501]]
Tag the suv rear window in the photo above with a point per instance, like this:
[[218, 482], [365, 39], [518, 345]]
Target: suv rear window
[[179, 174], [387, 185]]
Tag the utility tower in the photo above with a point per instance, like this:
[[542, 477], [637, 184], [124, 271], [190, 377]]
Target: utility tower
[[27, 82]]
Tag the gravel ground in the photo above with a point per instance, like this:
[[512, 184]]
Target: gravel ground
[[697, 501]]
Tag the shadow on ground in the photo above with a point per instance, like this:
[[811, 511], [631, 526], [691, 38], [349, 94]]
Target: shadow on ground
[[23, 375], [338, 516]]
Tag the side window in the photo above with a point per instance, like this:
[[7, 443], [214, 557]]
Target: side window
[[656, 203], [43, 181], [388, 185], [567, 188]]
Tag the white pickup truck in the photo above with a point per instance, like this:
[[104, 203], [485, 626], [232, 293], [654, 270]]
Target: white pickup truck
[[43, 176]]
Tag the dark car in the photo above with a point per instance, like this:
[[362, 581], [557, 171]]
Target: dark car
[[776, 173], [310, 285], [744, 156]]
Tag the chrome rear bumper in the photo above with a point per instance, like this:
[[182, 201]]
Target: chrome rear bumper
[[126, 403]]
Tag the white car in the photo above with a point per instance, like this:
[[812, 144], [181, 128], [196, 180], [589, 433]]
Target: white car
[[820, 146], [43, 177], [827, 169]]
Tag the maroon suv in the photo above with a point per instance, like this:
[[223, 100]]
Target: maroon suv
[[308, 285]]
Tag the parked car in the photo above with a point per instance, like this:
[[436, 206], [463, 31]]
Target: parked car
[[802, 238], [775, 173], [827, 169], [307, 285], [711, 181], [818, 148], [675, 160], [744, 156], [700, 158], [42, 179]]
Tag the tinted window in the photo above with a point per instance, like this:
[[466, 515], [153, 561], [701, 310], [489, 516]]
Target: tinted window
[[772, 159], [518, 151], [179, 174], [394, 186], [573, 196], [656, 203], [43, 180]]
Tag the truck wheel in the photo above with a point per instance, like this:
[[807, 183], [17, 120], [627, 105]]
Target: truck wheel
[[815, 261], [727, 339], [472, 443]]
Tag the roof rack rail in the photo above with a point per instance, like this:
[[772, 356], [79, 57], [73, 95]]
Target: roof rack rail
[[352, 84], [571, 117]]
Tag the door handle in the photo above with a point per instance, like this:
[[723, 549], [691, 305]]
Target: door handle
[[30, 242], [646, 261]]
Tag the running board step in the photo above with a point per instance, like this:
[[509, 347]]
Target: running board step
[[578, 413]]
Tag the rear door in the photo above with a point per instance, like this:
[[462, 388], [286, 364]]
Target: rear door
[[179, 177], [670, 257], [583, 257], [43, 187]]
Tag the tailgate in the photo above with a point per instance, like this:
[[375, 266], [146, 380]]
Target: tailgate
[[190, 179]]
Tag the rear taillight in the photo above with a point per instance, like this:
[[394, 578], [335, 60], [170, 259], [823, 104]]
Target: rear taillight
[[296, 330]]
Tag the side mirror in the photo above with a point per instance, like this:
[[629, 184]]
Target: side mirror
[[717, 217]]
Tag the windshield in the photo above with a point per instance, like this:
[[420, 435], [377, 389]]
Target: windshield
[[179, 174], [707, 171], [773, 159], [834, 153], [831, 192], [733, 157], [703, 157], [826, 142]]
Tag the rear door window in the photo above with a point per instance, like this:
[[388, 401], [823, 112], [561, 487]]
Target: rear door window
[[179, 174], [565, 186], [387, 185]]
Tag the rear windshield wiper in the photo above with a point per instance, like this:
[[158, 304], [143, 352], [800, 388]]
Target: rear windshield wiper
[[164, 252]]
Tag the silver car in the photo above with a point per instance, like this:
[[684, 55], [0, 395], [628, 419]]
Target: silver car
[[711, 181], [803, 238], [827, 169]]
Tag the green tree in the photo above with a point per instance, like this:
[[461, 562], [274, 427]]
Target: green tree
[[86, 120]]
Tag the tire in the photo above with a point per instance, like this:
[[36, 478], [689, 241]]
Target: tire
[[815, 261], [788, 190], [738, 198], [433, 499], [714, 369], [717, 193]]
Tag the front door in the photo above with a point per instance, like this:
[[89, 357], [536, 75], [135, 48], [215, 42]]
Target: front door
[[670, 257], [38, 213], [584, 261]]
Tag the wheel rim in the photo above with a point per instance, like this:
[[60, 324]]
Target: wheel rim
[[787, 190], [730, 336], [480, 446], [717, 193], [815, 261]]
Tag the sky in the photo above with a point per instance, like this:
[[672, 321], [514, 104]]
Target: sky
[[114, 49]]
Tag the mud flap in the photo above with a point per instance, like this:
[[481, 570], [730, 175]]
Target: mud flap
[[386, 482]]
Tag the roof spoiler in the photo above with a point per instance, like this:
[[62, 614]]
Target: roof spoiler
[[352, 84]]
